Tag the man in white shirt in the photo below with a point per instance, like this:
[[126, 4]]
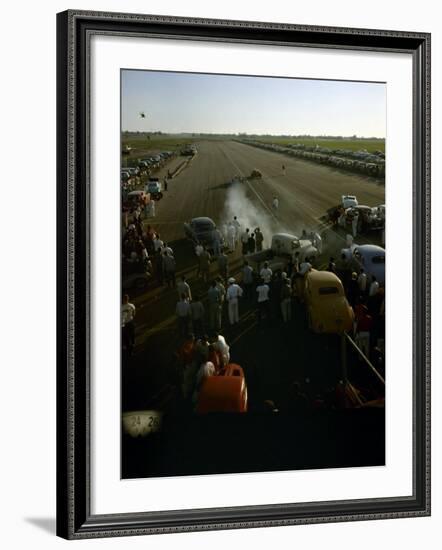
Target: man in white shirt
[[184, 288], [305, 267], [374, 287], [266, 273], [220, 344], [275, 203], [182, 311], [234, 292], [263, 300], [166, 248], [231, 237], [127, 324], [362, 281], [157, 244]]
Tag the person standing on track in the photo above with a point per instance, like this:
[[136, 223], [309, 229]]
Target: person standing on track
[[234, 292], [223, 265], [205, 265], [245, 241], [215, 301], [259, 237], [283, 169], [275, 203], [231, 237]]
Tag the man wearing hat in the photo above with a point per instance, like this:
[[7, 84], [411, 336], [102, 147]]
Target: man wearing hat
[[234, 292]]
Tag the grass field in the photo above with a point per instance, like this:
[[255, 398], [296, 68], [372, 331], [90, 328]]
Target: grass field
[[155, 143], [351, 144]]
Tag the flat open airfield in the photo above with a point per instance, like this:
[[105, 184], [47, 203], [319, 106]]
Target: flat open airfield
[[273, 355], [305, 192]]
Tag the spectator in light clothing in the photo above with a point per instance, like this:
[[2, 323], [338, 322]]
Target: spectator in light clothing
[[234, 292], [157, 243], [182, 311], [127, 324], [362, 281], [374, 287], [263, 300], [199, 248], [266, 273], [223, 265], [231, 237], [166, 248], [305, 267], [220, 344], [216, 240], [169, 268], [215, 300], [184, 288]]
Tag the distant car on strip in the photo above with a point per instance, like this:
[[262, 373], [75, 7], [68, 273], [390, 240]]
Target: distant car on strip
[[328, 310], [255, 174], [371, 258], [201, 230], [348, 201], [225, 392]]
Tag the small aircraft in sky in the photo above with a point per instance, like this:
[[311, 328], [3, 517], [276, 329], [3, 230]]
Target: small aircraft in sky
[[142, 114]]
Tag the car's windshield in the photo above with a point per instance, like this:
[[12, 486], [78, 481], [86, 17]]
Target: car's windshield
[[325, 290], [203, 227], [378, 259]]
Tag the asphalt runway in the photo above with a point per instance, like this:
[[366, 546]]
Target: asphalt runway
[[305, 191]]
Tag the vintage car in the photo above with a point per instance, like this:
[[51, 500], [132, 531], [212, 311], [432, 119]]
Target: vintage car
[[153, 186], [201, 230], [371, 258], [328, 310], [349, 200], [136, 198], [283, 248], [224, 392]]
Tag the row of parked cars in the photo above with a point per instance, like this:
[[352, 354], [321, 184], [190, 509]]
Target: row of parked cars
[[372, 164], [130, 175]]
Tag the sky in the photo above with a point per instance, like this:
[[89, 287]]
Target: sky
[[223, 104]]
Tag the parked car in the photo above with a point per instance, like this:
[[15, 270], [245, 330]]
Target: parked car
[[136, 198], [153, 186], [328, 310], [224, 392]]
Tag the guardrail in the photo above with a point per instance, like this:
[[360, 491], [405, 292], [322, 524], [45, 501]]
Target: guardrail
[[365, 358]]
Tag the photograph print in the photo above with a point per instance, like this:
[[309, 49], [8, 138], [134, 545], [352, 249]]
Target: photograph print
[[252, 274]]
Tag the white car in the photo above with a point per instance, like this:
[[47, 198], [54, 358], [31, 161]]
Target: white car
[[348, 201]]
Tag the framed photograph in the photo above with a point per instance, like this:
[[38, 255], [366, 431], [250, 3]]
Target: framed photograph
[[235, 346]]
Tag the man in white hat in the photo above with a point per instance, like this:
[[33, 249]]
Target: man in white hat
[[234, 292]]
